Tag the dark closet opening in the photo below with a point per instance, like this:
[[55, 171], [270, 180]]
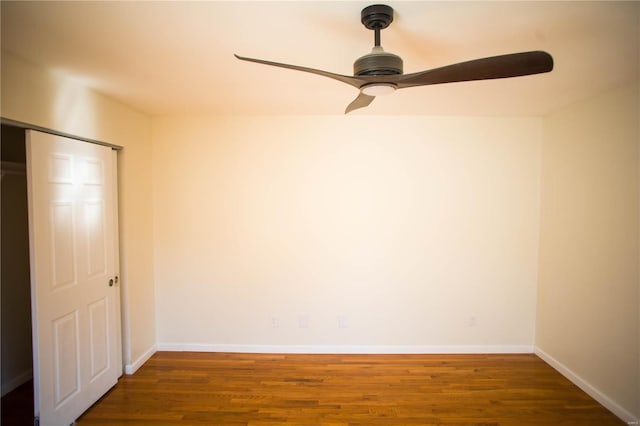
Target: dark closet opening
[[17, 353]]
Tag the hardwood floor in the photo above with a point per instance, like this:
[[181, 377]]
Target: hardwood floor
[[346, 390]]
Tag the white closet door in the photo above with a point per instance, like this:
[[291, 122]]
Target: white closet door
[[74, 289]]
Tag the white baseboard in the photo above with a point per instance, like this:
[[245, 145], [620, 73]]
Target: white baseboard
[[345, 349], [592, 391], [13, 383], [133, 367]]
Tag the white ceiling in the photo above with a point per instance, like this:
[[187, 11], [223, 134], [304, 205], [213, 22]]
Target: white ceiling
[[177, 57]]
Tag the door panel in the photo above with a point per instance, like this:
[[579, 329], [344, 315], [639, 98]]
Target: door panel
[[63, 251], [73, 245], [66, 349], [99, 337], [96, 238]]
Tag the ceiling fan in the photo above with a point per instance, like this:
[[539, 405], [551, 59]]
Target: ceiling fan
[[380, 72]]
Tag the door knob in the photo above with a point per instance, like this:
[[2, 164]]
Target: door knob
[[111, 282]]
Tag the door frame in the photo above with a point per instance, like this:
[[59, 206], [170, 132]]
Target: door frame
[[27, 126]]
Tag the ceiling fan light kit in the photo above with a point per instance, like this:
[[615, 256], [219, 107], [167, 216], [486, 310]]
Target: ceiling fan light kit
[[380, 73], [378, 89]]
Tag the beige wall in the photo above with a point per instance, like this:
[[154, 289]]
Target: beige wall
[[39, 97], [587, 313], [421, 233]]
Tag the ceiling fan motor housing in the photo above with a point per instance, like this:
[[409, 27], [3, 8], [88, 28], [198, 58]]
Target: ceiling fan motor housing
[[378, 62]]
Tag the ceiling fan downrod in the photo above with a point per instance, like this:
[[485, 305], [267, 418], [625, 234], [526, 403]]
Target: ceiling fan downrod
[[377, 17]]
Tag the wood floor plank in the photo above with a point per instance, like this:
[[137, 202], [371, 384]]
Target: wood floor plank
[[226, 389]]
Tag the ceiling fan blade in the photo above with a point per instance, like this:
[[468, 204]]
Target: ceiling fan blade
[[504, 66], [352, 81], [360, 102]]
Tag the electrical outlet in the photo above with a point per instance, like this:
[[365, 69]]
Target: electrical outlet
[[472, 321], [275, 322], [303, 321], [343, 321]]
